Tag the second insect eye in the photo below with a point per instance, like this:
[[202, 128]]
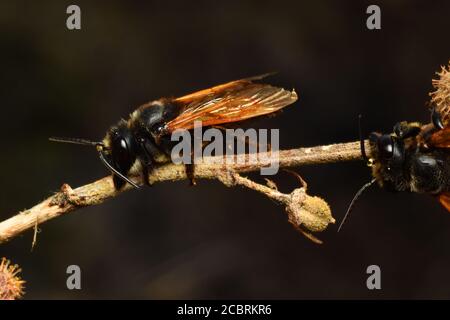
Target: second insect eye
[[386, 146], [122, 152]]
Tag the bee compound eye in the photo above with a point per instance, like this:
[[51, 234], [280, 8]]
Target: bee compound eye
[[386, 146], [121, 152], [123, 144]]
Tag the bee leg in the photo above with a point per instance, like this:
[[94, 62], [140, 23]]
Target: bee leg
[[146, 160], [165, 144], [405, 130], [436, 119], [147, 167], [190, 170], [118, 182]]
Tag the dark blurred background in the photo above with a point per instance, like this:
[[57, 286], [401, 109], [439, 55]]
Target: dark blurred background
[[175, 241]]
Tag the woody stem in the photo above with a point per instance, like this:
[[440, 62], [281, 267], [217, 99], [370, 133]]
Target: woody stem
[[68, 199]]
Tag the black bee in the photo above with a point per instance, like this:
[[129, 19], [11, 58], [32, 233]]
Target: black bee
[[143, 141], [414, 158]]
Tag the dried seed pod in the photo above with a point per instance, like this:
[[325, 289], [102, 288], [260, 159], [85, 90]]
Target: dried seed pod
[[309, 212], [440, 98], [11, 285]]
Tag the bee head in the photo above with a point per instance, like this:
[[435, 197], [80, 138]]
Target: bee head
[[387, 161], [120, 152], [389, 157], [117, 151]]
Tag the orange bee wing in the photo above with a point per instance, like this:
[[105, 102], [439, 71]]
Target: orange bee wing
[[444, 199], [202, 94], [440, 139], [230, 102]]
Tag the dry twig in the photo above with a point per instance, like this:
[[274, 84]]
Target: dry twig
[[69, 199], [306, 213]]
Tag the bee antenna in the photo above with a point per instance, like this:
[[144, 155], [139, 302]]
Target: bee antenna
[[357, 195], [83, 142], [361, 140], [115, 171]]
